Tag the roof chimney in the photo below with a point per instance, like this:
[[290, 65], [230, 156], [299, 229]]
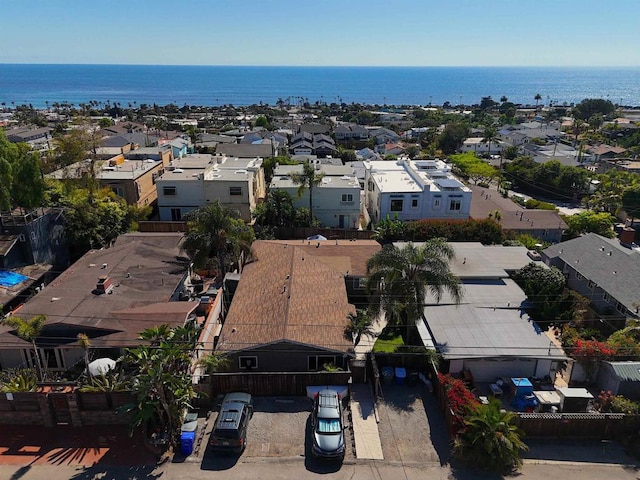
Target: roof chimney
[[104, 285]]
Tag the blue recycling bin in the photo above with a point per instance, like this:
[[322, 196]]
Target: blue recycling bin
[[401, 374], [187, 439]]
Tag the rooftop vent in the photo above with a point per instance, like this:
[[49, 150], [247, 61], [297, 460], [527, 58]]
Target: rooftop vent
[[178, 170], [104, 285]]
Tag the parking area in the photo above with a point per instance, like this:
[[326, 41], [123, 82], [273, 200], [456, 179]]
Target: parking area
[[412, 429], [280, 427]]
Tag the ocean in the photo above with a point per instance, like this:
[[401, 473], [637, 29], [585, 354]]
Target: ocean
[[236, 85]]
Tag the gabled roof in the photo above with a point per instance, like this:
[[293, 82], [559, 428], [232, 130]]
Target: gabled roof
[[245, 150], [626, 371], [289, 294], [613, 268]]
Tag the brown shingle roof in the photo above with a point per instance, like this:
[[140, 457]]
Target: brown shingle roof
[[342, 255], [288, 293]]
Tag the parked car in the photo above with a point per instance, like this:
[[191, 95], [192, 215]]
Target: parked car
[[328, 428], [230, 429]]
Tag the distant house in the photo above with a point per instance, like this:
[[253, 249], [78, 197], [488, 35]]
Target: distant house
[[348, 132], [130, 178], [314, 128], [606, 152], [478, 145], [248, 150], [141, 278], [600, 269], [545, 225], [621, 164], [414, 190], [337, 200], [620, 378], [305, 143], [196, 180], [281, 319], [488, 334], [37, 138], [382, 136]]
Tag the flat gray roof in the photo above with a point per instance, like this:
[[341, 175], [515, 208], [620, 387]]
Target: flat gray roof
[[474, 330]]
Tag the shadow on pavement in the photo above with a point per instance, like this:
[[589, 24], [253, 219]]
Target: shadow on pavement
[[118, 473], [437, 427], [218, 461], [461, 472], [591, 451]]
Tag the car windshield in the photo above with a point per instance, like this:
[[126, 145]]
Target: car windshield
[[328, 425]]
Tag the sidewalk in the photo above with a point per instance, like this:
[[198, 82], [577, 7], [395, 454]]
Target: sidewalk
[[365, 424], [365, 345]]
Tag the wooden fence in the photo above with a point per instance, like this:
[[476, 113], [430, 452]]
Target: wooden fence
[[271, 383], [162, 227], [604, 426], [68, 407]]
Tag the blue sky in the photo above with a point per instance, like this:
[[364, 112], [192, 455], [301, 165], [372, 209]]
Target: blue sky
[[327, 32]]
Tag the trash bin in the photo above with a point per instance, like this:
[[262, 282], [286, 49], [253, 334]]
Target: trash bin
[[412, 377], [401, 374], [387, 374], [187, 440]]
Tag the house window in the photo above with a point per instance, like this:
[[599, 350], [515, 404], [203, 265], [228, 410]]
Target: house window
[[235, 190], [370, 186], [396, 205], [607, 297], [317, 362], [176, 215], [359, 283], [414, 203], [436, 203], [347, 198], [579, 276], [592, 284], [169, 191], [455, 205], [621, 308], [118, 190], [247, 363], [52, 358]]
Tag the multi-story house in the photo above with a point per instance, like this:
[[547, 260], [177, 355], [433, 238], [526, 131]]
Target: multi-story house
[[200, 179], [414, 190], [336, 201]]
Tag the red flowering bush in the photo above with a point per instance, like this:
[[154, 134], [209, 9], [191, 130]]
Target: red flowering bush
[[459, 398], [589, 352]]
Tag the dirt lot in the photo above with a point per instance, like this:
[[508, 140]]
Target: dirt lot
[[281, 427], [412, 429]]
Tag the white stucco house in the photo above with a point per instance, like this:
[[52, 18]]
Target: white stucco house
[[337, 201], [414, 190], [200, 179]]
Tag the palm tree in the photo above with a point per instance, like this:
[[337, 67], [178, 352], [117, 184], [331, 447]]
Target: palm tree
[[308, 179], [29, 331], [85, 344], [537, 98], [216, 237], [399, 279], [360, 323], [490, 439], [490, 136], [215, 362]]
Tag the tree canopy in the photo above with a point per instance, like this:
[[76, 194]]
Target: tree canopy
[[21, 182], [592, 106]]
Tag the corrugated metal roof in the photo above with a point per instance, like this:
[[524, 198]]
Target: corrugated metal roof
[[626, 371]]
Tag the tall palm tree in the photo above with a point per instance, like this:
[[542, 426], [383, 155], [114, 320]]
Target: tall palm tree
[[537, 98], [308, 179], [400, 278], [360, 323], [216, 237], [29, 331], [490, 136], [490, 440]]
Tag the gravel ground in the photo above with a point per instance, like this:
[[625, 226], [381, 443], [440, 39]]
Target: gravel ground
[[411, 428]]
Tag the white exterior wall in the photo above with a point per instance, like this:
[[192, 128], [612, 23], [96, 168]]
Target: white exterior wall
[[189, 196], [430, 205], [328, 205]]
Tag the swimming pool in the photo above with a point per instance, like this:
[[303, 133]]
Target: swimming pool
[[11, 279]]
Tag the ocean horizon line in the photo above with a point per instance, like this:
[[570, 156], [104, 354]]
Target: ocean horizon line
[[559, 67]]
